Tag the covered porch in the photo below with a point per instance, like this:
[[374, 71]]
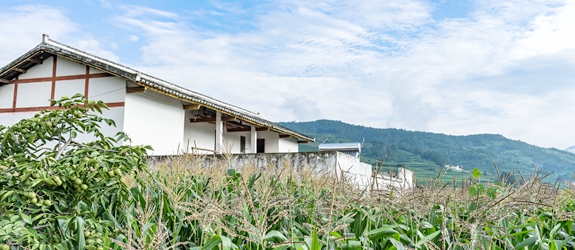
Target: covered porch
[[207, 131]]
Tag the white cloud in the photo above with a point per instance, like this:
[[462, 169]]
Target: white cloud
[[380, 64], [549, 33], [21, 30], [302, 108], [106, 4], [506, 68], [31, 21], [88, 43], [138, 11]]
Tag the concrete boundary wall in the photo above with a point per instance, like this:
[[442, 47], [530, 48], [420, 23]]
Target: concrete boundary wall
[[335, 163]]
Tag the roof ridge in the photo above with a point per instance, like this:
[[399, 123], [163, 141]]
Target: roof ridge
[[47, 41], [56, 48]]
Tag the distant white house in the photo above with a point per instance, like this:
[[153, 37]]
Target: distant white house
[[363, 174], [350, 148], [151, 111], [457, 168]]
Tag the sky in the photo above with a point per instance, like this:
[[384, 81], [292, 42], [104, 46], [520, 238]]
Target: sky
[[446, 66]]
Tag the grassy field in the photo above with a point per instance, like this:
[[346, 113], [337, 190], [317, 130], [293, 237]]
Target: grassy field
[[100, 195], [275, 208], [181, 204]]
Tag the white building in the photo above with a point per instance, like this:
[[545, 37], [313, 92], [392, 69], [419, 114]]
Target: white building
[[151, 111], [347, 160], [350, 148]]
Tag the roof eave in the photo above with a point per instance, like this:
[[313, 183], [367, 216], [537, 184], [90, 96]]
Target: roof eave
[[55, 48]]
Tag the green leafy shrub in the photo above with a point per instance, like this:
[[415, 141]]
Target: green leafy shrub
[[54, 187]]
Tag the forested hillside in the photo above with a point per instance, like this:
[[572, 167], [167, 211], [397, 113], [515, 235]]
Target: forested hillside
[[426, 152]]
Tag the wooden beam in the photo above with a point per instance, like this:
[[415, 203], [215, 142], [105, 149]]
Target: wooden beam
[[192, 107], [246, 129], [36, 61], [63, 78], [135, 89], [20, 70], [208, 119], [2, 80], [285, 136], [34, 109], [212, 119], [238, 130]]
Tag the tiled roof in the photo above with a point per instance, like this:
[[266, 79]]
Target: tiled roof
[[50, 47]]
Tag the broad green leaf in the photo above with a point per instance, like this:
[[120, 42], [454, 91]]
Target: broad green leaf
[[381, 232], [426, 239], [527, 242], [212, 243], [398, 245], [26, 218], [475, 173], [492, 192], [226, 243], [80, 233], [554, 230], [352, 245], [473, 190], [275, 236], [299, 246], [556, 245], [315, 244], [472, 206]]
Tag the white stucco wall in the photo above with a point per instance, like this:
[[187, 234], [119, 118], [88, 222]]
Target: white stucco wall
[[66, 67], [358, 172], [116, 114], [37, 94], [107, 89], [69, 88], [154, 119], [200, 135], [6, 96], [272, 140], [232, 142], [9, 119], [34, 94], [288, 145], [95, 71], [40, 70]]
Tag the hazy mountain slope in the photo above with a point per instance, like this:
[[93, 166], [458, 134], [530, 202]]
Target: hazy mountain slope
[[430, 150], [570, 149]]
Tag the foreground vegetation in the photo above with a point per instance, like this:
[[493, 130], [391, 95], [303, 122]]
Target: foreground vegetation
[[184, 204]]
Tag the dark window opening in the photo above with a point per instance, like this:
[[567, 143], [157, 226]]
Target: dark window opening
[[261, 146], [242, 144]]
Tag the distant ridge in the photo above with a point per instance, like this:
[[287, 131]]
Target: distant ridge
[[571, 149], [427, 152]]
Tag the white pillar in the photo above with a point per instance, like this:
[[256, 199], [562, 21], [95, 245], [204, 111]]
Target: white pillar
[[254, 140], [219, 132]]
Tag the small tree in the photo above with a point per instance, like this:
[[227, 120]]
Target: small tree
[[55, 190]]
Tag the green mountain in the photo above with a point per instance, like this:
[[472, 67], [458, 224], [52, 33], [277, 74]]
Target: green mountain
[[427, 153]]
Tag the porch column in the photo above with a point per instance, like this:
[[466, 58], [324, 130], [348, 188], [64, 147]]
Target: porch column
[[253, 140], [219, 132]]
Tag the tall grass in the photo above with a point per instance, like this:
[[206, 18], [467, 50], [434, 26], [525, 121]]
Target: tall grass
[[183, 204]]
